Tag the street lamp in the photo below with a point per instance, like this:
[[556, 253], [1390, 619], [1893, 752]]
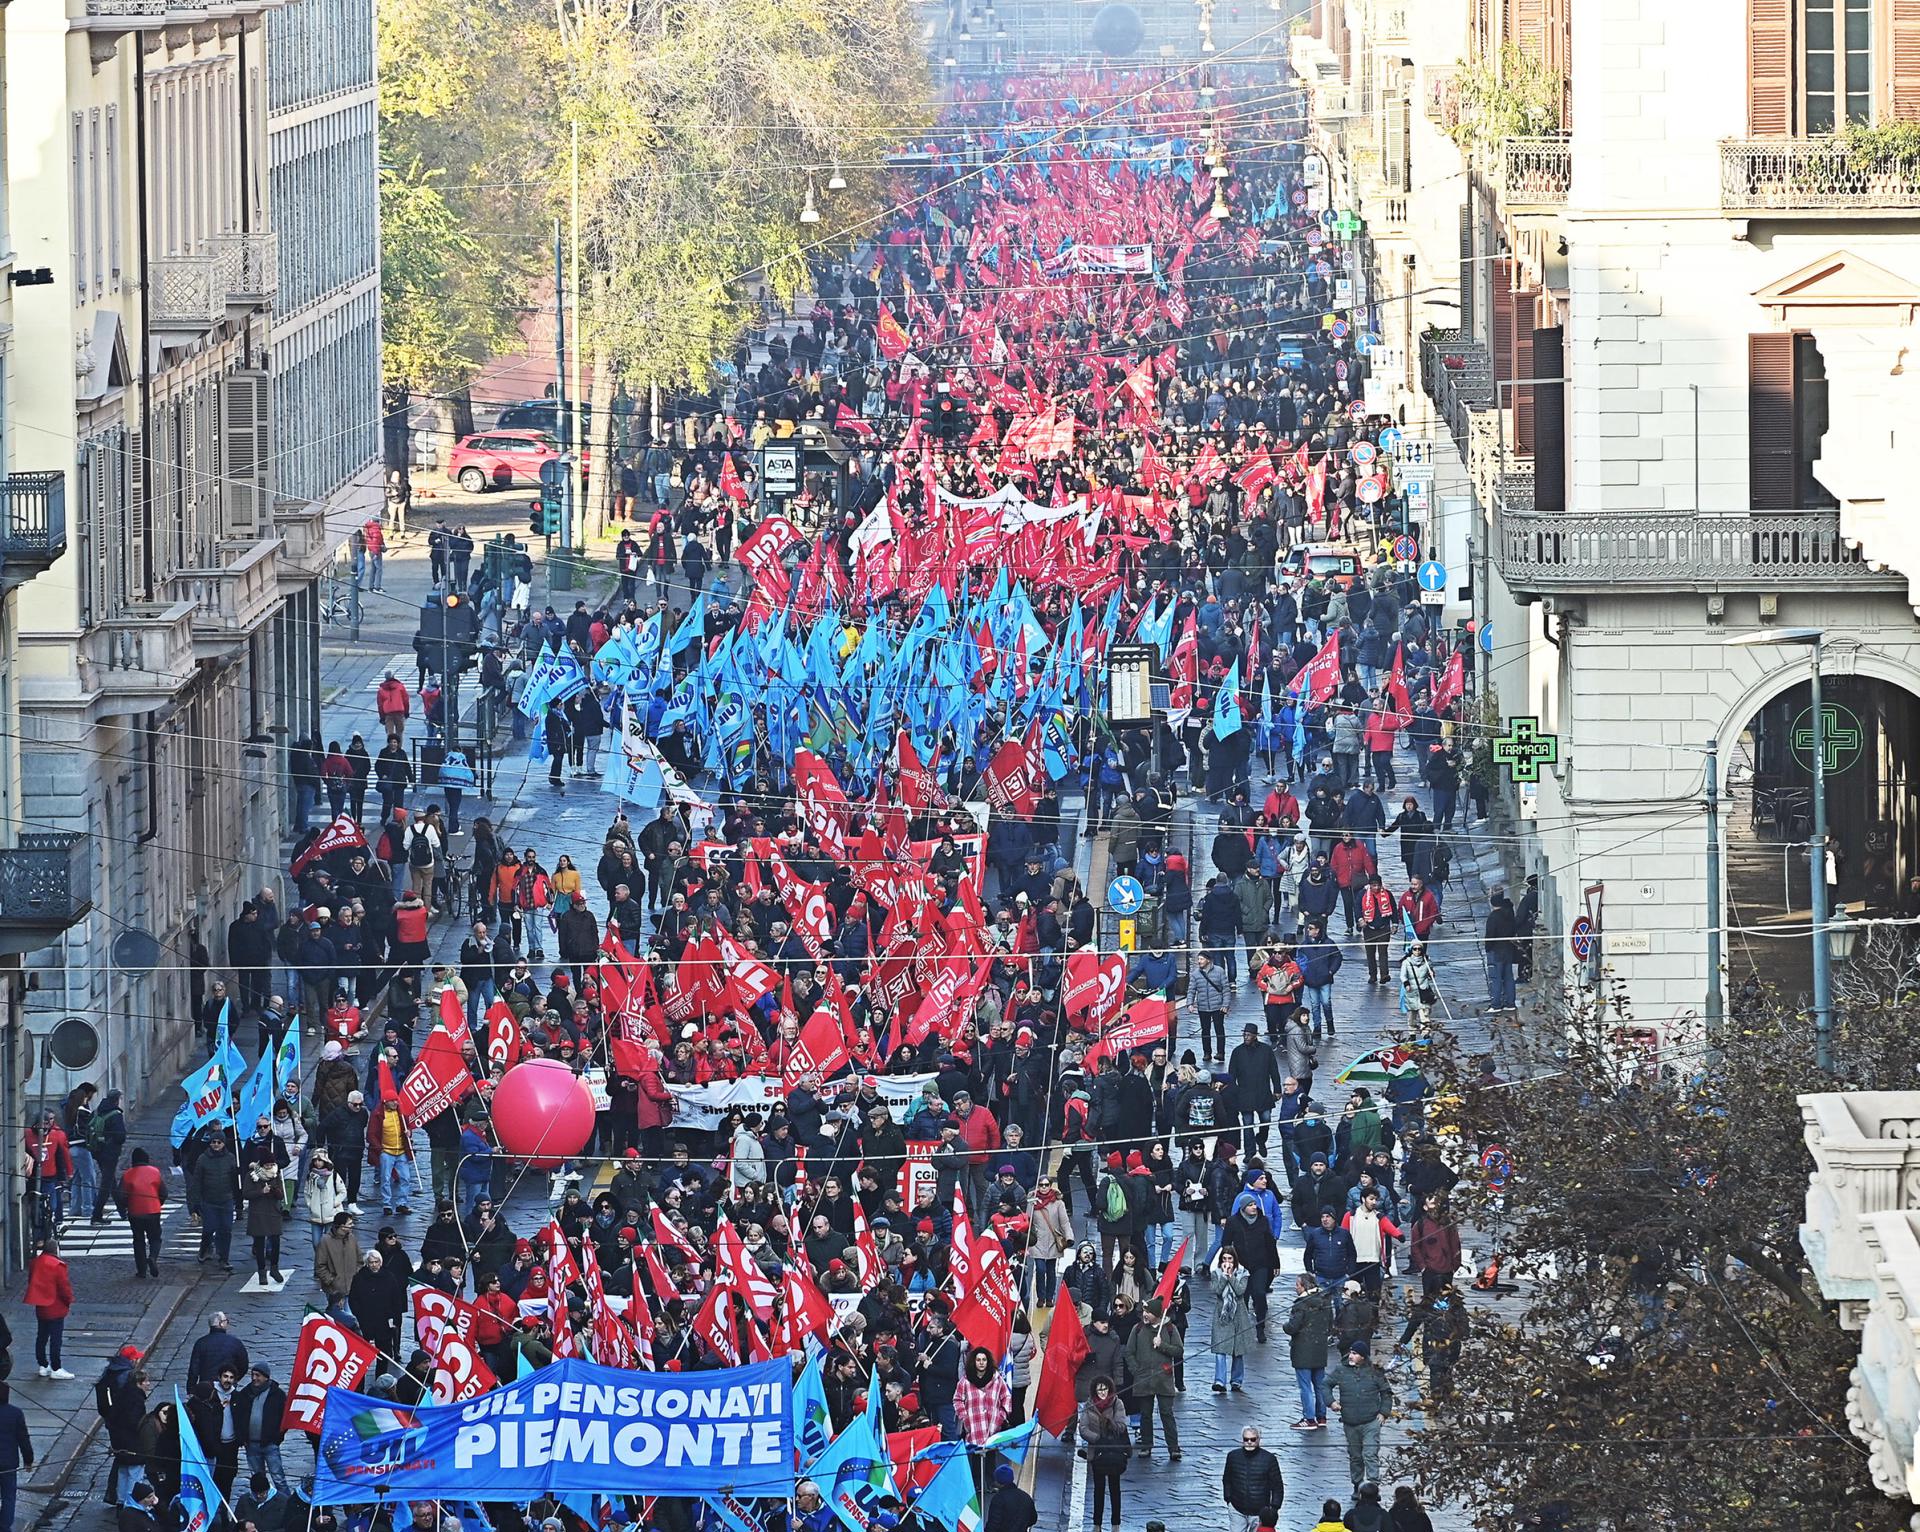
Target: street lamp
[[1826, 940]]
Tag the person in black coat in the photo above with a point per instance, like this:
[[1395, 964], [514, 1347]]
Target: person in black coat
[[1011, 1509], [378, 1297], [1253, 1071], [16, 1453]]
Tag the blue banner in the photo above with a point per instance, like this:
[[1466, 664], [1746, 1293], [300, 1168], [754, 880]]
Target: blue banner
[[567, 1429]]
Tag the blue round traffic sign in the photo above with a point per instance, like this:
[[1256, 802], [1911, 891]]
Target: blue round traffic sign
[[1340, 329], [1389, 436], [1432, 575], [1486, 638], [1580, 938], [1125, 895], [1405, 548]]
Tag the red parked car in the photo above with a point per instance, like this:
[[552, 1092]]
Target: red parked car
[[500, 459]]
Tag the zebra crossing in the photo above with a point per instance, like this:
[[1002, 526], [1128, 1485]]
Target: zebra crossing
[[81, 1239]]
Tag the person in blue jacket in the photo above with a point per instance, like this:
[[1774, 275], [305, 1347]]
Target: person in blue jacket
[[1319, 958]]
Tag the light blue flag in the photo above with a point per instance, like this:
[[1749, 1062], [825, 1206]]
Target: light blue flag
[[950, 1499], [1013, 1441], [693, 627], [734, 1514], [617, 661], [1300, 733], [876, 1419], [286, 1060], [812, 1423], [1227, 720], [209, 1099], [200, 1499], [854, 1474], [1267, 727], [253, 1096]]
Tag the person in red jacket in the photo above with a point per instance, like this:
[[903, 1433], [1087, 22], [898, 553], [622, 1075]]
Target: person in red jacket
[[981, 1135], [654, 1104], [1352, 865], [391, 702], [143, 1193], [1420, 906], [497, 1317], [50, 1291], [52, 1164]]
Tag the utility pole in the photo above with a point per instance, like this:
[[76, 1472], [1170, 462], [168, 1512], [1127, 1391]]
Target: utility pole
[[1715, 1018], [575, 533], [1822, 952], [559, 570]]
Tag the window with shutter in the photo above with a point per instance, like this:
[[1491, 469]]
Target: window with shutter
[[1501, 333], [1525, 307], [1769, 67], [137, 558], [245, 428], [1394, 151], [1903, 60], [1527, 29], [1770, 434], [1468, 277]]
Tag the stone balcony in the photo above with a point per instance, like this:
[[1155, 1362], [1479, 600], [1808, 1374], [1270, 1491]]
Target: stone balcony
[[1562, 553], [46, 885], [233, 599], [1535, 173], [304, 548], [1815, 178], [1866, 1160], [1862, 1241], [152, 15]]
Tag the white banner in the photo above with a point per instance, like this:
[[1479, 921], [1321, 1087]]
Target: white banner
[[1101, 260], [705, 1107]]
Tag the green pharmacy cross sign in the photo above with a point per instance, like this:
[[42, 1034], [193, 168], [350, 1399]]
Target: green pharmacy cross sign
[[1841, 737], [1347, 224], [1523, 749]]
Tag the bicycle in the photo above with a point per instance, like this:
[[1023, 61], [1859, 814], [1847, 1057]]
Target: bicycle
[[457, 889]]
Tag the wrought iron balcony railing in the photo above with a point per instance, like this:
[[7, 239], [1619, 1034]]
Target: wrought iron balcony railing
[[46, 883], [1535, 172], [33, 523], [1816, 176], [1546, 552]]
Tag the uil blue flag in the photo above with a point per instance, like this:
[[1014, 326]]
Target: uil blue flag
[[571, 1428], [812, 1424], [1227, 720], [199, 1495]]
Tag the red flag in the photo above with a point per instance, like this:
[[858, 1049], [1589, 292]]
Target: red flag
[[718, 1326], [807, 1309], [1319, 678], [1256, 476], [437, 1082], [1452, 683], [823, 803], [328, 1355], [504, 1041], [1142, 1024], [1170, 1278], [866, 1250], [668, 1235], [740, 1271], [1010, 779], [820, 1051], [1054, 1405], [984, 1313], [919, 787], [453, 1016], [1096, 986], [760, 554], [851, 424], [892, 338], [1207, 467], [807, 904], [1397, 684], [1184, 673], [341, 835], [748, 979], [729, 482]]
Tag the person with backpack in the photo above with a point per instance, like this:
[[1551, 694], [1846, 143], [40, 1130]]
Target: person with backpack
[[106, 1137], [1114, 1210], [120, 1400], [422, 845]]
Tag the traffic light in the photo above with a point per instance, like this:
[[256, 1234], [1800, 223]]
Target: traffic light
[[449, 636], [545, 518]]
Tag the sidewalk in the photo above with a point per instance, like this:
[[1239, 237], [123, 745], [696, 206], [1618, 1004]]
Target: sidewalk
[[165, 1318], [1313, 1462]]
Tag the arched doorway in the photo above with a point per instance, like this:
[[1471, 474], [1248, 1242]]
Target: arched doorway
[[1872, 743]]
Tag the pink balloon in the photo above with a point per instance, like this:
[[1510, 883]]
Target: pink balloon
[[542, 1113]]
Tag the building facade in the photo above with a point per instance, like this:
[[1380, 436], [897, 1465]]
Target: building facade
[[169, 655], [1671, 412]]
